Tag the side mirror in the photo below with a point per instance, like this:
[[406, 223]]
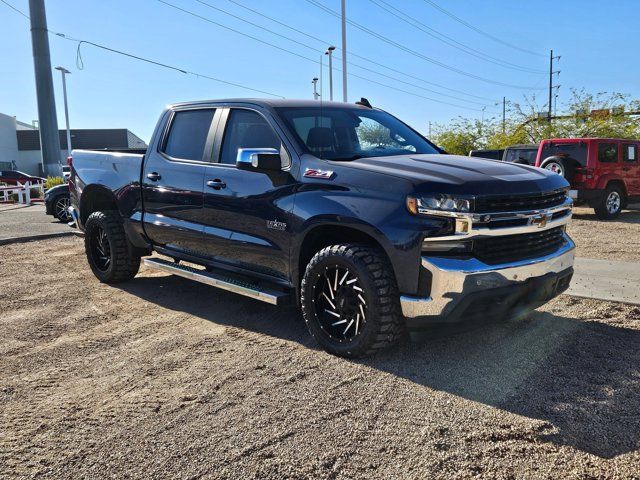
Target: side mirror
[[259, 159]]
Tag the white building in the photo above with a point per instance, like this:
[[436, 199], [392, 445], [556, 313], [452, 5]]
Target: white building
[[20, 143]]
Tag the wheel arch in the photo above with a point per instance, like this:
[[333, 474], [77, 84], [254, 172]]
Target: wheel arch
[[321, 235], [96, 198]]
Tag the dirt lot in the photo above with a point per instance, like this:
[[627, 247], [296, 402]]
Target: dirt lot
[[615, 240], [161, 377]]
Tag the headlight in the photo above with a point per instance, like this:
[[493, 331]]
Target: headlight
[[445, 203]]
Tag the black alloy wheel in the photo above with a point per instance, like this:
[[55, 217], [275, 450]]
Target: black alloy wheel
[[340, 307], [61, 208]]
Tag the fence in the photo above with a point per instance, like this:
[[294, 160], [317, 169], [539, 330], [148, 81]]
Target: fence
[[22, 190]]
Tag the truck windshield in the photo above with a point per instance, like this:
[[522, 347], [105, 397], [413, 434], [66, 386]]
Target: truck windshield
[[350, 133]]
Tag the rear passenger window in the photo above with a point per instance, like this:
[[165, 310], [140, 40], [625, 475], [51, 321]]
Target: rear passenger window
[[630, 153], [188, 134], [608, 152]]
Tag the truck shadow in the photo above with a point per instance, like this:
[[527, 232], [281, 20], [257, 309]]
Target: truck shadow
[[580, 378]]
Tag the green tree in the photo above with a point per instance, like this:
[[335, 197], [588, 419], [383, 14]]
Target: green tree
[[525, 124]]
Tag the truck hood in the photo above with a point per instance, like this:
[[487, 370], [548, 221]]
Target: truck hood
[[464, 175]]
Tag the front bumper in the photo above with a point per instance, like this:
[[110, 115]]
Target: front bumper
[[467, 288]]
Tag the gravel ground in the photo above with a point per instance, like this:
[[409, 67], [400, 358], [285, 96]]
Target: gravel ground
[[612, 240], [161, 377], [25, 221]]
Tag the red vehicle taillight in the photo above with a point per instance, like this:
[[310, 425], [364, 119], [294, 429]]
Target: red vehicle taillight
[[70, 160]]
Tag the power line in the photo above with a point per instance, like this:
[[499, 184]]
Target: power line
[[326, 42], [481, 32], [302, 56], [396, 12], [80, 62], [413, 52], [316, 50], [15, 9]]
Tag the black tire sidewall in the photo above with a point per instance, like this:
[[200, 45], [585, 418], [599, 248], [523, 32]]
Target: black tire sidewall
[[361, 344], [95, 221]]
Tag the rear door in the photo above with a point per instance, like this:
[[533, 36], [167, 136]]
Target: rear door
[[245, 212], [172, 178], [631, 167], [608, 159]]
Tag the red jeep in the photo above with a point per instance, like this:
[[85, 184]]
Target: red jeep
[[603, 172]]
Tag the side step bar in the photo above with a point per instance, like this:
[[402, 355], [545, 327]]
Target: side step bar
[[222, 281]]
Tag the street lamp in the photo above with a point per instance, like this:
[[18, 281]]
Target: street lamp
[[64, 71], [330, 53], [315, 89]]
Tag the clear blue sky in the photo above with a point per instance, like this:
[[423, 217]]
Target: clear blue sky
[[598, 42]]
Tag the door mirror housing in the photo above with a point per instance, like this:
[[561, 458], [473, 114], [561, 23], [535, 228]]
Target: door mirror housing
[[259, 159]]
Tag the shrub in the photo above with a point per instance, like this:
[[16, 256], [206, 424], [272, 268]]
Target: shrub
[[52, 182]]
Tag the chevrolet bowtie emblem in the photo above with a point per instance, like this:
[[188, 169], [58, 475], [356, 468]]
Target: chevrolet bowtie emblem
[[541, 220]]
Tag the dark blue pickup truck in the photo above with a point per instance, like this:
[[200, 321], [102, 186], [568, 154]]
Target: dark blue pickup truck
[[341, 209]]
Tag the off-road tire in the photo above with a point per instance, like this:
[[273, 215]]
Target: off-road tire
[[384, 325], [601, 207], [124, 262]]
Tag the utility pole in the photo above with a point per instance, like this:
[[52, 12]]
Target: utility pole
[[429, 129], [49, 139], [64, 72], [551, 73], [344, 52], [504, 114], [315, 88], [330, 53]]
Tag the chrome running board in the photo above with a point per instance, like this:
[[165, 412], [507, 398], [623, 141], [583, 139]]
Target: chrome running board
[[221, 280]]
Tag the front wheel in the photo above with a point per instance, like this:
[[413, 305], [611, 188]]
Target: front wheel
[[350, 301], [610, 203], [108, 250], [60, 208]]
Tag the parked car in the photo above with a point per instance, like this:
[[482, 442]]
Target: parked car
[[492, 154], [13, 177], [56, 200], [291, 201], [66, 172], [525, 154], [604, 173]]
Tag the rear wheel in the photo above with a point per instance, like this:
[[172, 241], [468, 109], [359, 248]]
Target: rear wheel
[[110, 255], [610, 203], [350, 301]]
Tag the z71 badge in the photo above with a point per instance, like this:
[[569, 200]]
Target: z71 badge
[[276, 225], [315, 173]]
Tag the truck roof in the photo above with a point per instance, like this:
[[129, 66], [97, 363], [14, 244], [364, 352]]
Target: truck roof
[[272, 103]]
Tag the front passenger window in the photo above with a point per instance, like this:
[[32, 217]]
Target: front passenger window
[[246, 129]]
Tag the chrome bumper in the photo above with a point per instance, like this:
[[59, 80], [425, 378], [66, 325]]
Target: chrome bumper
[[455, 282]]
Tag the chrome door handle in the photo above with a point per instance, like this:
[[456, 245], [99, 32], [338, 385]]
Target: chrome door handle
[[216, 184], [154, 176]]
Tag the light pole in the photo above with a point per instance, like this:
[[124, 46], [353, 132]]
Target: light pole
[[315, 89], [64, 71], [330, 53], [344, 51]]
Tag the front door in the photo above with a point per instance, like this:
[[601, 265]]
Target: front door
[[173, 176], [245, 213]]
